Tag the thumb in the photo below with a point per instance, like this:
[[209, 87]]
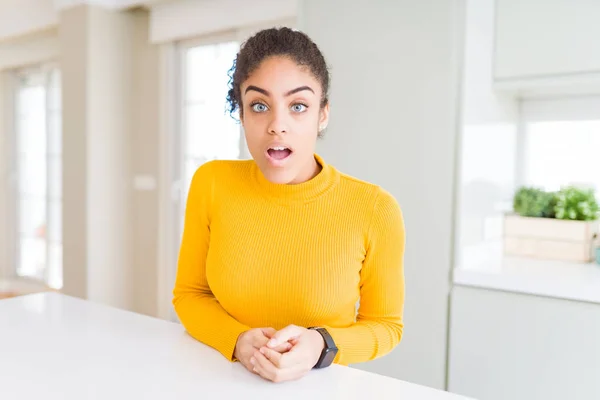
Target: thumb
[[286, 334], [268, 332]]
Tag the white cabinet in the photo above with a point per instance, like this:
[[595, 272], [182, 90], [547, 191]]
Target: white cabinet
[[540, 38], [513, 346]]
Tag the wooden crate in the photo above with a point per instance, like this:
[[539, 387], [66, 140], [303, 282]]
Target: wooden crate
[[548, 238]]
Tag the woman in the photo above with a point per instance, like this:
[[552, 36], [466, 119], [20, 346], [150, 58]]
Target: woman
[[278, 250]]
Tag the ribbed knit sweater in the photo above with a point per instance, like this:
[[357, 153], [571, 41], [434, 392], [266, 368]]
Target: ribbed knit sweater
[[327, 252]]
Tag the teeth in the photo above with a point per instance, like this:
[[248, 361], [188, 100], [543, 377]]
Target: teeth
[[278, 148]]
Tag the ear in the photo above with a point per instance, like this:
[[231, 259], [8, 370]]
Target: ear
[[324, 117]]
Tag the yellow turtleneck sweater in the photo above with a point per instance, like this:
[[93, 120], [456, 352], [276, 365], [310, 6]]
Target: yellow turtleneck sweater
[[257, 254]]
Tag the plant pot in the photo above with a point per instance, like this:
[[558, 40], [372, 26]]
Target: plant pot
[[548, 238]]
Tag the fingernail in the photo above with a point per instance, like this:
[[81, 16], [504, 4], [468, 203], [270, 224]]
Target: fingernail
[[263, 350], [252, 361], [272, 343]]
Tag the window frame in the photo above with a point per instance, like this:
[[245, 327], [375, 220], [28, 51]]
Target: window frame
[[44, 70]]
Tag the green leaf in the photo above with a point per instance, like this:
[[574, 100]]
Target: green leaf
[[534, 202], [576, 204]]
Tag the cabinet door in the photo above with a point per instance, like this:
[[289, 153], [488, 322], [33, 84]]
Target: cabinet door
[[546, 39], [514, 346]]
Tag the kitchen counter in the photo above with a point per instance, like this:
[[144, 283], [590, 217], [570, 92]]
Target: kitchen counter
[[487, 267]]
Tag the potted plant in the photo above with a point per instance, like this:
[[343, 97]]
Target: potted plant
[[552, 225]]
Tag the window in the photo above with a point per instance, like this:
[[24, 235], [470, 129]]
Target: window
[[207, 132], [561, 153], [551, 144], [562, 143], [38, 168]]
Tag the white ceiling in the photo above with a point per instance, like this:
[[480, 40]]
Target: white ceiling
[[20, 17], [112, 4]]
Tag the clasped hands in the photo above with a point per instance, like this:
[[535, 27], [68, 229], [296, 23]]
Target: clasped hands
[[279, 356]]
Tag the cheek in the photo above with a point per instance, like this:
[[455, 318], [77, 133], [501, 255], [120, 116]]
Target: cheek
[[253, 131], [307, 125]]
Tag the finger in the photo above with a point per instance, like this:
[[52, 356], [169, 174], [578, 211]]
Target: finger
[[286, 334], [271, 355], [292, 358], [290, 374], [268, 371], [283, 348], [250, 367], [259, 341], [264, 367]]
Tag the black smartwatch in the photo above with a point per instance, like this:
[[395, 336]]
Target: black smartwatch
[[330, 350]]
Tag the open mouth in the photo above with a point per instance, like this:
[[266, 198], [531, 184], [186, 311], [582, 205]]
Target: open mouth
[[279, 152]]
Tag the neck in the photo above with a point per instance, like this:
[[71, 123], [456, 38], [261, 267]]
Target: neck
[[311, 170]]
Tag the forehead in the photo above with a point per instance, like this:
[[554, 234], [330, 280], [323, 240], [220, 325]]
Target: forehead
[[281, 74]]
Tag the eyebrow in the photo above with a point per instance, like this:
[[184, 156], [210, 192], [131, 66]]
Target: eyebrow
[[266, 92]]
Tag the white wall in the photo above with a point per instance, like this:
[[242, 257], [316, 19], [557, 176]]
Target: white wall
[[109, 157], [145, 150], [394, 118], [4, 178], [488, 155], [74, 66], [96, 63]]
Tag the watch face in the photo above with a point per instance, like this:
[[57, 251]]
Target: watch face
[[328, 357]]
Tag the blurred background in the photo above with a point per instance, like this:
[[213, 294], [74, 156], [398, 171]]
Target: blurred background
[[482, 117]]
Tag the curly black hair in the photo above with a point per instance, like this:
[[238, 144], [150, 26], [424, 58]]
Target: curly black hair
[[275, 42]]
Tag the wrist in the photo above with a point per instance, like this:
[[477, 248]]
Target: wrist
[[236, 347], [318, 347], [319, 341]]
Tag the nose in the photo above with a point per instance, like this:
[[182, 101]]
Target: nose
[[278, 125]]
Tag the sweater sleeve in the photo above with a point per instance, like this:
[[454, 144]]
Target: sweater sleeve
[[379, 323], [197, 308]]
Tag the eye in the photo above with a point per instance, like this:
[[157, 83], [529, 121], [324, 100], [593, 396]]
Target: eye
[[259, 107], [299, 107]]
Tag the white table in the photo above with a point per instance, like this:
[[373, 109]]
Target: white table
[[57, 347]]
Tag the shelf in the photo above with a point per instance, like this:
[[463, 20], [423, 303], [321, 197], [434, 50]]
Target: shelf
[[486, 267]]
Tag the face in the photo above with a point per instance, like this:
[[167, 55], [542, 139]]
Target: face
[[281, 116]]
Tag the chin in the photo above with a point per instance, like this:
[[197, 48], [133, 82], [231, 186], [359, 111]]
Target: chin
[[280, 177]]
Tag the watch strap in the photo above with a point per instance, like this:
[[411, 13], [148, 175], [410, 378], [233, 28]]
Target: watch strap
[[329, 351]]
